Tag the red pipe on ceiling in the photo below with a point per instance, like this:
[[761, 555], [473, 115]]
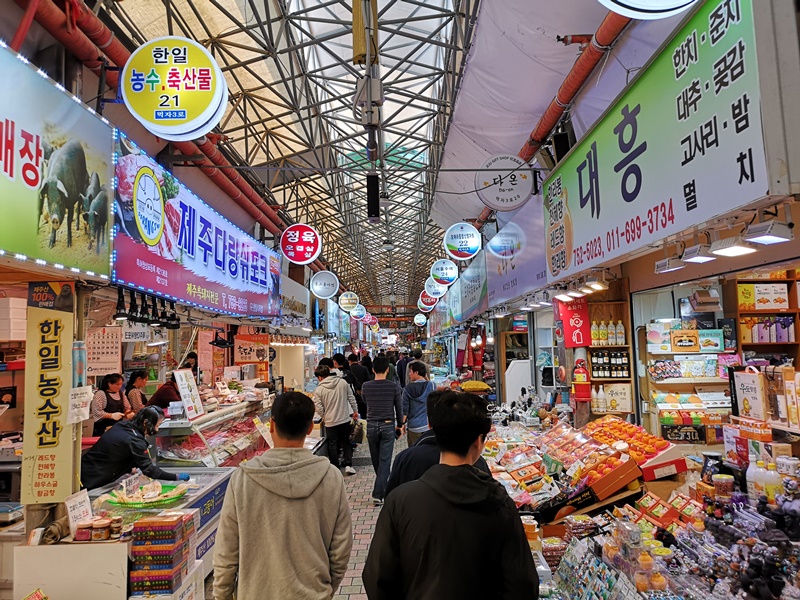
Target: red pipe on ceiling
[[24, 25], [606, 34], [86, 44]]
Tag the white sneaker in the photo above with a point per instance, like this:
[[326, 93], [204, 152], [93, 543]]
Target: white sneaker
[[349, 471], [377, 501]]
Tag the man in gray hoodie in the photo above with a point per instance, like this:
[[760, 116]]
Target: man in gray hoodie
[[300, 547], [336, 404]]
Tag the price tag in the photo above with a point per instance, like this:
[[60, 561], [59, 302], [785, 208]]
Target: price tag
[[576, 466], [175, 409], [208, 461], [265, 432], [223, 388], [79, 508], [243, 442], [665, 471], [130, 485], [79, 400]]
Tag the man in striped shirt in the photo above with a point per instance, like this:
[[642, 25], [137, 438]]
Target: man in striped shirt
[[384, 400]]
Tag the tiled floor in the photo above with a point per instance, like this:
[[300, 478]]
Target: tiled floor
[[359, 491]]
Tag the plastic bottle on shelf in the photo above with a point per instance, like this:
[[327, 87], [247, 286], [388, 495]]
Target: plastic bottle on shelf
[[759, 480], [612, 333], [601, 400], [595, 334], [773, 485], [603, 333], [593, 404], [620, 329], [750, 477]]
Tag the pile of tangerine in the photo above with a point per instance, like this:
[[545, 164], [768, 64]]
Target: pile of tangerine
[[642, 445]]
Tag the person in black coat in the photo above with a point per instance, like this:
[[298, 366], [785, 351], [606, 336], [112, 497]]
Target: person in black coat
[[122, 448], [455, 532]]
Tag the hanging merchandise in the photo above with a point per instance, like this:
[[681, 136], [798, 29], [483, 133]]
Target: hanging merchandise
[[359, 312], [420, 320], [348, 301], [462, 241], [324, 285], [461, 349], [434, 289], [174, 87], [444, 271], [504, 182], [301, 244]]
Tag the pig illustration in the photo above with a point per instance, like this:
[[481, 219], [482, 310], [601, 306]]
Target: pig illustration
[[61, 190]]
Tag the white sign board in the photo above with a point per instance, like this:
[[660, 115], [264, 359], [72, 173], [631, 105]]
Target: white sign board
[[324, 285], [103, 351], [80, 399], [135, 332], [187, 387], [505, 182], [433, 289], [79, 509]]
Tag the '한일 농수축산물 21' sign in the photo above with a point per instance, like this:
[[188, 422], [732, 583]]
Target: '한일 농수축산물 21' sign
[[170, 242], [684, 135]]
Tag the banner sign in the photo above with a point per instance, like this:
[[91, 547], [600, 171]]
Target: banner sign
[[332, 311], [515, 260], [504, 183], [174, 88], [474, 288], [190, 395], [444, 271], [47, 456], [462, 241], [684, 135], [170, 242], [324, 284], [137, 332], [248, 349], [575, 319], [55, 173], [453, 301], [301, 244]]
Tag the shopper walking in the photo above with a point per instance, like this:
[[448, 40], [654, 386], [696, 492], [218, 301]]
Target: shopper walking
[[302, 550], [336, 404], [362, 376], [454, 533], [401, 369], [384, 400], [366, 362], [415, 401], [413, 462]]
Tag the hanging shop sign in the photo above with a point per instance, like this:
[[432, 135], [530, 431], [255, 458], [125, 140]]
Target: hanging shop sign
[[55, 173], [172, 243], [686, 133], [301, 244], [515, 259], [576, 326], [462, 241], [174, 87], [420, 320], [136, 332], [444, 271], [453, 300], [375, 328], [474, 288], [359, 312], [324, 284], [423, 308], [648, 9], [504, 182], [426, 299], [249, 349], [103, 351], [348, 301], [433, 289], [47, 453]]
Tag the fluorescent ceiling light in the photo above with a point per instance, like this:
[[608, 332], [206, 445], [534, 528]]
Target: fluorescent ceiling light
[[769, 232], [597, 283], [587, 289], [667, 265], [732, 246], [563, 296], [699, 253], [575, 293]]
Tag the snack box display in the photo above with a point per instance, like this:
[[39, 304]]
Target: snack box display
[[762, 296], [753, 429], [779, 296], [663, 513], [646, 502], [679, 502], [711, 340], [746, 296], [615, 474], [658, 337], [685, 340], [159, 528]]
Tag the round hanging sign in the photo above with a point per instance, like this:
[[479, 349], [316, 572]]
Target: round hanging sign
[[508, 243], [427, 300], [174, 87], [359, 312], [433, 289], [375, 328], [444, 271], [647, 9], [324, 284], [504, 183], [462, 241], [301, 243], [423, 308], [420, 320], [348, 301]]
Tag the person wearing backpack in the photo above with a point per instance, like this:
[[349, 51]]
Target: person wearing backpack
[[415, 400]]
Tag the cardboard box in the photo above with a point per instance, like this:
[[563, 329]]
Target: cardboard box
[[714, 434], [704, 489], [648, 501], [762, 296], [746, 296], [656, 470], [779, 296], [663, 513], [711, 340], [619, 397], [685, 340], [684, 434], [618, 478], [658, 338], [750, 390], [753, 429], [729, 435]]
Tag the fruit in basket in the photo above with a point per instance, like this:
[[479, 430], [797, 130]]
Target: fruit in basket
[[473, 386]]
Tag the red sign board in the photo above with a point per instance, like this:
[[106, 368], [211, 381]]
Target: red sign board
[[427, 300], [575, 318], [301, 244]]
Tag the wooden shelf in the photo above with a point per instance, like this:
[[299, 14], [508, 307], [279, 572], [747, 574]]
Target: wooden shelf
[[765, 280], [688, 380], [609, 346], [785, 428], [609, 379], [769, 344], [758, 313], [612, 412]]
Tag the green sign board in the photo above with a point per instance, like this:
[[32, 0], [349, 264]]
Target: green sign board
[[683, 144]]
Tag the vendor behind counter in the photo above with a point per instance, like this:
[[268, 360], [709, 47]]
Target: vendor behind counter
[[123, 448]]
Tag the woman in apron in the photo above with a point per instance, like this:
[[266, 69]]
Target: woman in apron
[[109, 404], [134, 391]]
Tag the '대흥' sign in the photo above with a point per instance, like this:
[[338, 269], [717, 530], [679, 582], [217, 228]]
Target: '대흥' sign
[[171, 242], [174, 88], [686, 133], [348, 301]]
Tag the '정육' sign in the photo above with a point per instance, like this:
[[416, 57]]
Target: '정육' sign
[[174, 88], [324, 285], [301, 244], [684, 134], [504, 182]]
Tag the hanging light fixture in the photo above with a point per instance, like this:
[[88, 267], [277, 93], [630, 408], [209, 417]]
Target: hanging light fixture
[[155, 319], [121, 313], [173, 321], [597, 282]]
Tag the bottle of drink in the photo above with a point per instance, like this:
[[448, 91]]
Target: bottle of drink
[[612, 334], [759, 479], [594, 400], [595, 334], [750, 477], [620, 333], [601, 400], [603, 331], [773, 484]]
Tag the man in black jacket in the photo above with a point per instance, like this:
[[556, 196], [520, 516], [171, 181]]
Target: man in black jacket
[[342, 364], [454, 533]]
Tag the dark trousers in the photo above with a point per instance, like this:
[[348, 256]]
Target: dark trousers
[[339, 436], [381, 438]]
